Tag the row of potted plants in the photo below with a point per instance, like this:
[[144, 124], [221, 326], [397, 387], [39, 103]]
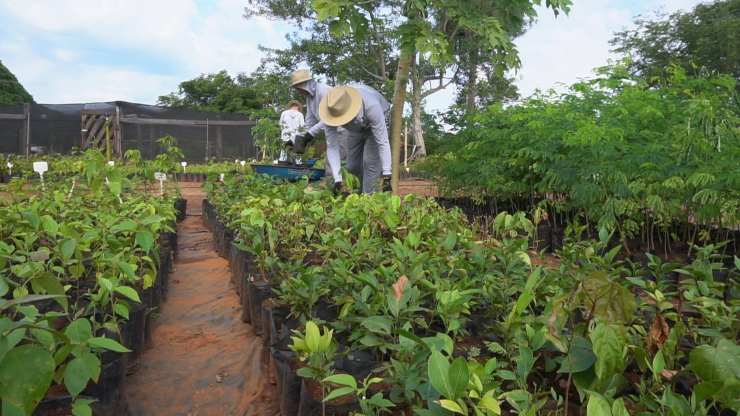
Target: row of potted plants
[[376, 304], [83, 263]]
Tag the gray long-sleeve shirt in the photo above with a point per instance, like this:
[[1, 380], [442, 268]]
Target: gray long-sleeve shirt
[[372, 118], [316, 92]]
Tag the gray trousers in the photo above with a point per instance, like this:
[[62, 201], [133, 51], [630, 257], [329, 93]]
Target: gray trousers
[[363, 159]]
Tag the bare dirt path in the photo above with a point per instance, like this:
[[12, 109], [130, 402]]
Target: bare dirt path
[[202, 360]]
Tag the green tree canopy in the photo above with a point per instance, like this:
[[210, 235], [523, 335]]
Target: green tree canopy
[[260, 94], [11, 91], [708, 37]]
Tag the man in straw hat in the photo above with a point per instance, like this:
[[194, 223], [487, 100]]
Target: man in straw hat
[[314, 91], [361, 111]]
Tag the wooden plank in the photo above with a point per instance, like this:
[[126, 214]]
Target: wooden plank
[[176, 122], [12, 116]]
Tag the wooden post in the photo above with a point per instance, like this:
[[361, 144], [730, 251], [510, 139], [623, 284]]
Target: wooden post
[[118, 133], [107, 139]]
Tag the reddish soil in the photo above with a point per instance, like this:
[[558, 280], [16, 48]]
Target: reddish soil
[[202, 359]]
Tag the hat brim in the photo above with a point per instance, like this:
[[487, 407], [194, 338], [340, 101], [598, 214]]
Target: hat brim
[[300, 81], [342, 119]]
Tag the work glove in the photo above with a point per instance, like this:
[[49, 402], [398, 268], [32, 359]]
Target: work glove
[[385, 183], [301, 141], [337, 188]]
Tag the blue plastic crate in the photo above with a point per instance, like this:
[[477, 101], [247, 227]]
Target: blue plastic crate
[[289, 173]]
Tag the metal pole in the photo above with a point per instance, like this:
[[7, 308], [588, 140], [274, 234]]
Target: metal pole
[[207, 140], [107, 137]]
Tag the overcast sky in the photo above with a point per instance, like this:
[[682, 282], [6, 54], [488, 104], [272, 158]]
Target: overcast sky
[[66, 51]]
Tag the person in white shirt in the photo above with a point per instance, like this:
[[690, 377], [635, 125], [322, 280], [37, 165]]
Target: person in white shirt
[[291, 124]]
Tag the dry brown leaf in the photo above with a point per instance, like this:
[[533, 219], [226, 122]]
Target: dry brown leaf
[[399, 286], [658, 334]]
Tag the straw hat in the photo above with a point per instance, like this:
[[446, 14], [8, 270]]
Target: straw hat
[[299, 77], [340, 106]]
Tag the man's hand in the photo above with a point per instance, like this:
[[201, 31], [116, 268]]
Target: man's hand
[[338, 187], [385, 183], [301, 141]]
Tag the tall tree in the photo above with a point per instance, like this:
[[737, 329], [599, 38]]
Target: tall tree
[[430, 28], [11, 91], [707, 37]]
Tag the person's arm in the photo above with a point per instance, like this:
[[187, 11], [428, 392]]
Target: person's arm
[[376, 120], [316, 129], [311, 118]]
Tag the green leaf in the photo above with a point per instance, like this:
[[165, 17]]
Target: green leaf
[[67, 247], [607, 347], [313, 337], [658, 364], [524, 363], [579, 358], [81, 407], [128, 292], [124, 225], [25, 376], [121, 310], [450, 240], [105, 283], [115, 187], [451, 406], [342, 391], [50, 226], [598, 406], [79, 331], [619, 409], [378, 324], [716, 363], [342, 379], [3, 286], [93, 364], [145, 240], [378, 401], [108, 344], [76, 376], [438, 369], [52, 286], [459, 377], [489, 403], [7, 342]]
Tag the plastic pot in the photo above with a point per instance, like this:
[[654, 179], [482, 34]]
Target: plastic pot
[[181, 206], [257, 292], [288, 382], [310, 402]]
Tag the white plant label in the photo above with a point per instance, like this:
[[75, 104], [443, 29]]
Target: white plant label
[[40, 168], [111, 163], [161, 177], [184, 165], [221, 177], [10, 168]]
